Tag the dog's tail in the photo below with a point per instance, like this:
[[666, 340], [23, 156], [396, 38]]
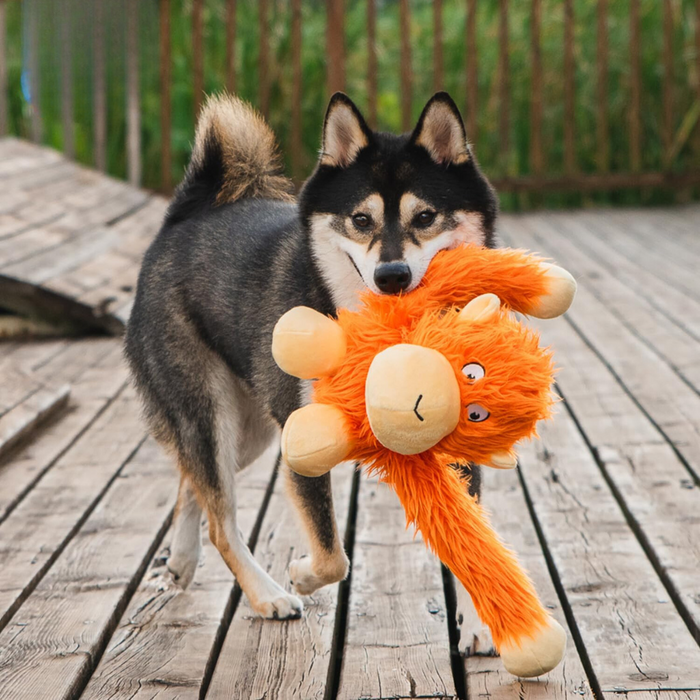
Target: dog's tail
[[235, 156]]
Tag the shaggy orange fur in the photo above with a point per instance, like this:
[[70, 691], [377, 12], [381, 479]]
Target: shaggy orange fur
[[516, 391]]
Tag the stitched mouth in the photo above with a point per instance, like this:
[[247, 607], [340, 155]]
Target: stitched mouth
[[415, 409]]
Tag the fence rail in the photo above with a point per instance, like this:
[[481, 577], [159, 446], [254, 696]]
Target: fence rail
[[534, 173]]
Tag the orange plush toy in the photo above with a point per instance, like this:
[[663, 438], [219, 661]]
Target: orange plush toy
[[409, 384]]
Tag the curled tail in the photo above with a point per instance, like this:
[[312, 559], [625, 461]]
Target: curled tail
[[235, 156]]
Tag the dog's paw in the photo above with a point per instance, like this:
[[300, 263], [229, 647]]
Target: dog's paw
[[306, 581], [475, 637], [284, 607], [182, 569]]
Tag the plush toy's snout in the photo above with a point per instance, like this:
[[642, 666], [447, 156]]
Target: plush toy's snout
[[412, 398]]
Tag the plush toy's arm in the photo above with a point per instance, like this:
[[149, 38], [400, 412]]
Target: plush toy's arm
[[522, 281], [307, 344], [315, 438]]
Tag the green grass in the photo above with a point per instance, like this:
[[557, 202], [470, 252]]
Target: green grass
[[487, 144]]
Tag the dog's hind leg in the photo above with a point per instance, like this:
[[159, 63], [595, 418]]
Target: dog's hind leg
[[328, 562], [186, 546], [475, 637], [241, 434]]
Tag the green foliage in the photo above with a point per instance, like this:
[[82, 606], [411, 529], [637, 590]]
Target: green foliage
[[314, 94]]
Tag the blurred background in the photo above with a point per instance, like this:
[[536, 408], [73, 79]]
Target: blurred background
[[567, 102]]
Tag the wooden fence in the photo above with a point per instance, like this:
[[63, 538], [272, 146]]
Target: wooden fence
[[540, 176]]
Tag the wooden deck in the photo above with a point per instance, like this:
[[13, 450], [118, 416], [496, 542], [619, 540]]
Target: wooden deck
[[604, 510]]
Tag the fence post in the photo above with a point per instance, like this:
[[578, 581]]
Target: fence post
[[133, 104], [635, 89], [231, 45], [34, 79], [406, 72], [504, 86], [602, 61], [296, 90], [437, 46], [99, 97], [569, 90], [471, 72], [667, 122], [335, 45], [165, 68], [3, 71], [65, 26], [263, 60], [197, 56], [372, 62], [536, 156]]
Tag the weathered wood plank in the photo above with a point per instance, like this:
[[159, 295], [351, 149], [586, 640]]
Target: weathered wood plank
[[49, 648], [503, 498], [21, 420], [291, 659], [672, 405], [397, 637], [677, 347], [633, 637], [38, 529], [650, 481], [166, 636], [95, 371]]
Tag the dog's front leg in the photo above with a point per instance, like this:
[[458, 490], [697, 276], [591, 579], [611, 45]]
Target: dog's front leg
[[328, 562]]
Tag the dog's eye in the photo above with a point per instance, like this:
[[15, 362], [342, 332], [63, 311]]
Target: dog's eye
[[425, 218], [362, 221], [473, 371], [477, 413]]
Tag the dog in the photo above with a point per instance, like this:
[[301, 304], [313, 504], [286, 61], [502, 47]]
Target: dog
[[235, 252]]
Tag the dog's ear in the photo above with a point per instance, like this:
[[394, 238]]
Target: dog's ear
[[345, 132], [440, 130]]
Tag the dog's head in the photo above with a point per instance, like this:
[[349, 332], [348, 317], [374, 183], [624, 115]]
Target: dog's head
[[378, 207]]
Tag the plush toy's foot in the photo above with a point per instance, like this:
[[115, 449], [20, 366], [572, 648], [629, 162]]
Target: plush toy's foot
[[538, 655], [562, 288], [315, 439]]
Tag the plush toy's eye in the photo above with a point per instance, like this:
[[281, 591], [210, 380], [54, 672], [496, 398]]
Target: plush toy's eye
[[362, 221], [473, 371], [477, 413]]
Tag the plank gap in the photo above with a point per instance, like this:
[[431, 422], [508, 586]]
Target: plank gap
[[561, 593]]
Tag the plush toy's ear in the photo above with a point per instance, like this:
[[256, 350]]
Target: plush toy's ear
[[345, 132], [440, 130], [481, 308], [307, 344]]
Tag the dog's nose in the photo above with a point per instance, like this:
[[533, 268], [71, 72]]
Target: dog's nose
[[393, 277]]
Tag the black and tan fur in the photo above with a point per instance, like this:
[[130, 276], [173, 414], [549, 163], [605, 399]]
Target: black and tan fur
[[235, 252]]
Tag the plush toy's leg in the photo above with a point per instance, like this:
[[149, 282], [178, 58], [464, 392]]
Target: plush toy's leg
[[537, 655], [455, 527], [315, 439]]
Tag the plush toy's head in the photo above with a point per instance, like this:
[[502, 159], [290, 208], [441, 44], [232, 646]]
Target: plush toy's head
[[473, 383], [468, 383]]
